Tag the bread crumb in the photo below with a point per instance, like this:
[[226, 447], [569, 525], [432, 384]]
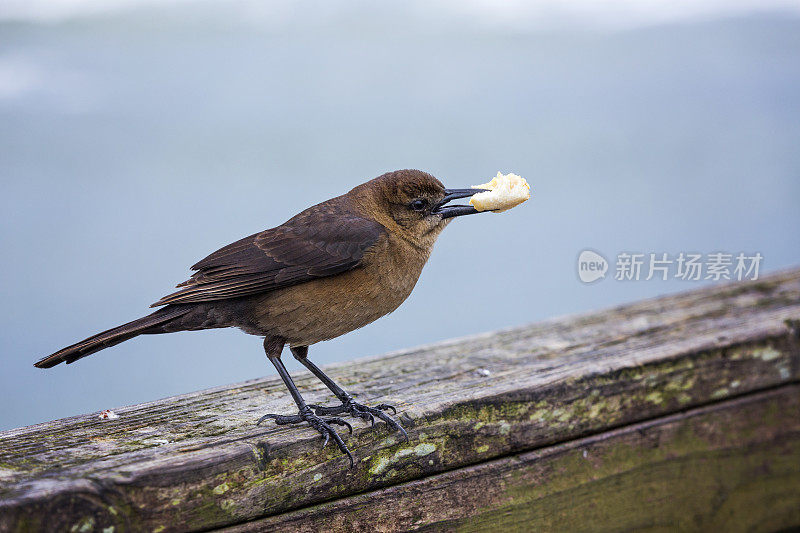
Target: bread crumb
[[505, 191]]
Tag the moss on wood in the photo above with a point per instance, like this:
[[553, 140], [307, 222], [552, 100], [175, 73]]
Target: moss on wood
[[198, 461]]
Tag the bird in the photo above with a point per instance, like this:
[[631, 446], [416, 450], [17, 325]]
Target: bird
[[331, 269]]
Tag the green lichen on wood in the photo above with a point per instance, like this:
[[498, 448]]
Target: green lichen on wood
[[549, 383], [383, 461], [494, 425], [733, 466], [685, 483]]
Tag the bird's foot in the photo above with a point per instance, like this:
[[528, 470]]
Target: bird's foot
[[363, 412], [323, 425]]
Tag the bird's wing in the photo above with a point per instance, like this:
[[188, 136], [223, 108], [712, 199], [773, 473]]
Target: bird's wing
[[279, 257]]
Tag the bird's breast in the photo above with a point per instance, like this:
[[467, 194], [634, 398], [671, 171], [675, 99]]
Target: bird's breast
[[329, 307]]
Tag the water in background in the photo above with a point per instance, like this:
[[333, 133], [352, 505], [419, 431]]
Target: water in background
[[133, 143]]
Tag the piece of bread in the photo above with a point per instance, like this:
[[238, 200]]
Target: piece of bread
[[505, 191]]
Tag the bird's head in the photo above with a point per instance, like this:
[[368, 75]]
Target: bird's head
[[412, 203]]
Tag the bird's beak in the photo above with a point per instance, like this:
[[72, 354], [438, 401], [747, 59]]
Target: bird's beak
[[449, 211]]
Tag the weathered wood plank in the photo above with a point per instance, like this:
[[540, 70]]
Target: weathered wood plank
[[197, 461], [732, 466]]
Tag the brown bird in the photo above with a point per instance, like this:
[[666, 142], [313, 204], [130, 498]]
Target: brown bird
[[329, 270]]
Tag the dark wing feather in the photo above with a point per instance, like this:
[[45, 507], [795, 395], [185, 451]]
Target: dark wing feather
[[312, 245]]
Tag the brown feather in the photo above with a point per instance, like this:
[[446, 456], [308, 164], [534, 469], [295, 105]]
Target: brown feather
[[292, 253]]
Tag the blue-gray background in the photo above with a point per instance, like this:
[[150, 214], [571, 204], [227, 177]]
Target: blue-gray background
[[135, 141]]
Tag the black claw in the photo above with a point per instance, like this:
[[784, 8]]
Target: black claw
[[342, 447], [386, 407], [363, 415], [392, 423], [281, 419], [322, 410], [340, 422], [363, 412], [320, 424]]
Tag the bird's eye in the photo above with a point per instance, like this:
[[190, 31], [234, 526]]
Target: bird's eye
[[418, 205]]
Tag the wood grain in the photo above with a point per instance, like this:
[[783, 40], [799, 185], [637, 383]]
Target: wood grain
[[714, 468], [198, 461]]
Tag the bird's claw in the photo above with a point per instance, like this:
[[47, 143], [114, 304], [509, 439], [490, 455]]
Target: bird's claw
[[322, 425], [386, 407], [363, 412]]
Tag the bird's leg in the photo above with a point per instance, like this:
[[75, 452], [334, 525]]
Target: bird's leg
[[273, 347], [349, 405]]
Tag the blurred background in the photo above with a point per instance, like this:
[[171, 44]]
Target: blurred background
[[137, 137]]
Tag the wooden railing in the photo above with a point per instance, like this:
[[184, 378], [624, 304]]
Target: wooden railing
[[681, 412]]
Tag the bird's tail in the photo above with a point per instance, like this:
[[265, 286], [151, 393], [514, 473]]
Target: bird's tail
[[95, 343]]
